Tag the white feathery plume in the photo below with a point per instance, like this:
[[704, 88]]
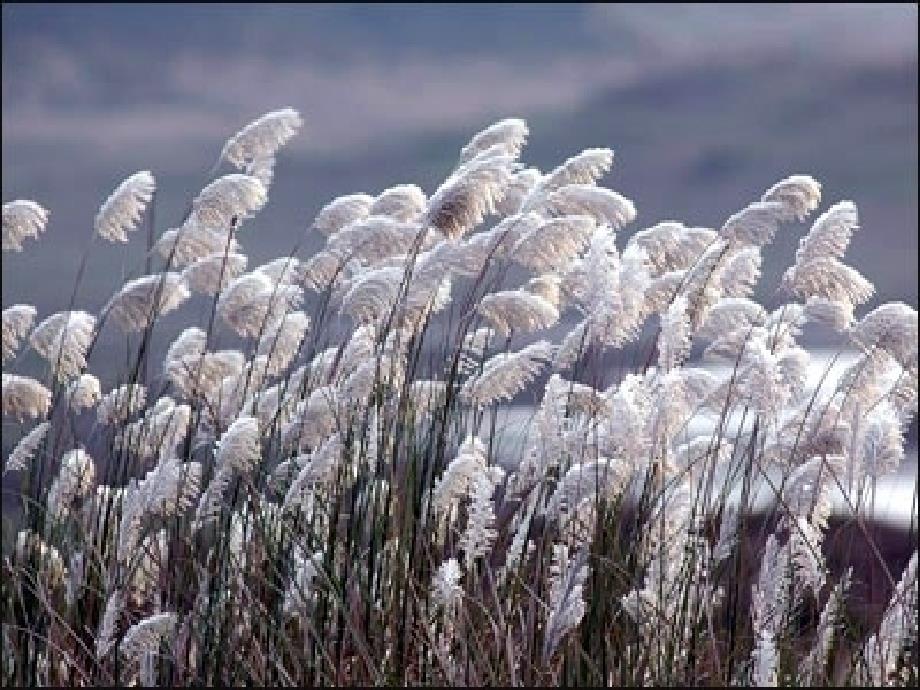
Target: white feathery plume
[[404, 202], [510, 133], [445, 586], [832, 313], [16, 322], [74, 482], [22, 219], [193, 241], [674, 340], [317, 468], [24, 397], [590, 481], [830, 234], [548, 286], [671, 246], [612, 290], [730, 314], [163, 427], [518, 189], [469, 195], [132, 307], [479, 535], [769, 605], [554, 244], [586, 168], [755, 224], [738, 272], [891, 327], [373, 238], [202, 373], [507, 374], [120, 403], [342, 211], [519, 311], [324, 267], [84, 392], [145, 636], [799, 194], [239, 446], [281, 341], [604, 205], [238, 452], [227, 198], [373, 294], [454, 484], [881, 442], [168, 490], [471, 256], [63, 340], [114, 607], [122, 211], [211, 274], [813, 668], [828, 278], [261, 138], [895, 632], [263, 169], [22, 454], [313, 419], [568, 575], [252, 302], [284, 269]]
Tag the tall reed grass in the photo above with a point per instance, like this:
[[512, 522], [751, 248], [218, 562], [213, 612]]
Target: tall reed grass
[[320, 491]]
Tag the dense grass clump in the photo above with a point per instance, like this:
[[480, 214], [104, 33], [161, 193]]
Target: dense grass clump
[[398, 462]]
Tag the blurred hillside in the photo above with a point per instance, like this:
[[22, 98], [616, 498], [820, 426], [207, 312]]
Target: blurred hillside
[[705, 106]]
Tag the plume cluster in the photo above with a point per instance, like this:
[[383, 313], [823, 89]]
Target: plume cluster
[[468, 441]]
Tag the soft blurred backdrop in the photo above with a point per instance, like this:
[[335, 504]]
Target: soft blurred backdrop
[[705, 106]]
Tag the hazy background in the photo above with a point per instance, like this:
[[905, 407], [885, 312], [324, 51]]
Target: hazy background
[[705, 107]]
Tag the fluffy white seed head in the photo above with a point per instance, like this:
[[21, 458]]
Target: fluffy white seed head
[[469, 195], [586, 168], [122, 211], [253, 302], [84, 392], [63, 339], [604, 205], [74, 482], [24, 397], [193, 241], [799, 194], [510, 133], [404, 202], [22, 219], [554, 244], [507, 374], [755, 224], [892, 327], [25, 450], [518, 311], [341, 211], [17, 321], [120, 403], [230, 197], [261, 138], [210, 274], [830, 234], [141, 301], [145, 636]]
